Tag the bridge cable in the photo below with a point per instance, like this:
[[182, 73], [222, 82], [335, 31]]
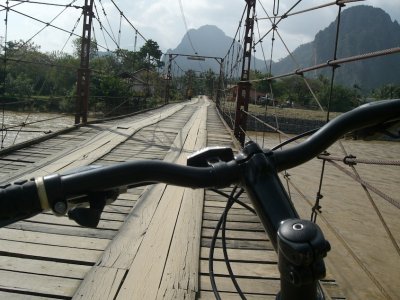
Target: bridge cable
[[3, 136], [279, 20], [102, 27], [47, 3], [72, 31], [129, 22], [108, 22], [319, 195]]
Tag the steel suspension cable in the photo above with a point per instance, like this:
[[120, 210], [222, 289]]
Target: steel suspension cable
[[313, 8], [108, 22], [319, 196], [342, 240], [46, 3], [279, 20], [48, 24], [73, 31], [127, 20]]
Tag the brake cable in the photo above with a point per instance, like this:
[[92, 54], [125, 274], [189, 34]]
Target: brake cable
[[232, 199]]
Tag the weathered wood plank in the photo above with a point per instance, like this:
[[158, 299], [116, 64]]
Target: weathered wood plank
[[237, 234], [46, 285], [52, 239], [15, 248], [243, 269], [143, 242], [43, 267], [158, 237], [107, 284], [238, 244], [244, 255], [146, 270], [64, 230], [181, 270], [248, 285], [234, 296]]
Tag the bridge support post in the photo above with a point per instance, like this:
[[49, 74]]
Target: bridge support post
[[220, 83], [82, 95], [168, 80], [243, 90]]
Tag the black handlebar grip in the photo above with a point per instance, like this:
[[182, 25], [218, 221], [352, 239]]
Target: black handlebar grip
[[18, 201]]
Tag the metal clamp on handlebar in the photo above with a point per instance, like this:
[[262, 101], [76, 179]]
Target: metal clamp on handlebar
[[55, 194], [52, 195], [209, 156]]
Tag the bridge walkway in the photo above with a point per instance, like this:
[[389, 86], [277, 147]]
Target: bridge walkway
[[152, 242]]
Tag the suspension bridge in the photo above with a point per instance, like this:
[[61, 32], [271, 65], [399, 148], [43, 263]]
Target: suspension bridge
[[123, 101]]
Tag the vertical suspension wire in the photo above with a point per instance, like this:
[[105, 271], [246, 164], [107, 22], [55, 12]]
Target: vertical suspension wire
[[316, 208], [100, 25], [119, 30], [72, 32], [108, 21], [135, 44], [3, 135]]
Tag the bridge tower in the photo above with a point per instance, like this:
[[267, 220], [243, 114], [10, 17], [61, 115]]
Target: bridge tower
[[82, 95], [243, 89]]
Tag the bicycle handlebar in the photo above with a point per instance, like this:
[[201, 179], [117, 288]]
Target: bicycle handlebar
[[26, 198], [360, 117]]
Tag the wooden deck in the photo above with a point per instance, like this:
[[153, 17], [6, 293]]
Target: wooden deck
[[151, 243]]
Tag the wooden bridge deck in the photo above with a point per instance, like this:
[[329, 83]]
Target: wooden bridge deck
[[151, 242]]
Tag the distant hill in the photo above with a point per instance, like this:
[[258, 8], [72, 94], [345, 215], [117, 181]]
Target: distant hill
[[362, 29], [207, 40]]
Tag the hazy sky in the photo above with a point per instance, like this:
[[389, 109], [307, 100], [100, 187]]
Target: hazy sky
[[161, 20]]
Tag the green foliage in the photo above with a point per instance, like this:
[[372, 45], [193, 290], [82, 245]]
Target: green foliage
[[77, 44], [389, 91], [296, 91], [20, 86], [30, 73]]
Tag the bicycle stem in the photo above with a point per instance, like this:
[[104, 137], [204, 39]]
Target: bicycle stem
[[300, 244]]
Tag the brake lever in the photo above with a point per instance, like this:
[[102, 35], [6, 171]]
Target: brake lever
[[90, 216]]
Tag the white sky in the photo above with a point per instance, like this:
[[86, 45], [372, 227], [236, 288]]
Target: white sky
[[161, 20]]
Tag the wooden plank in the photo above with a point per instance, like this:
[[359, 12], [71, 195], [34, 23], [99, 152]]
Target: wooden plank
[[154, 251], [21, 296], [137, 245], [107, 283], [41, 284], [233, 211], [49, 268], [52, 239], [243, 269], [244, 255], [238, 244], [234, 296], [64, 230], [15, 248], [236, 225], [248, 285], [146, 270], [231, 217], [180, 277], [237, 234], [63, 220]]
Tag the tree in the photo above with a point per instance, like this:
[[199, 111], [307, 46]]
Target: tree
[[210, 82], [77, 43], [388, 91]]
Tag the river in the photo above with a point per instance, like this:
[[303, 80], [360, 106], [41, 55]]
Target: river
[[22, 126], [363, 257]]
